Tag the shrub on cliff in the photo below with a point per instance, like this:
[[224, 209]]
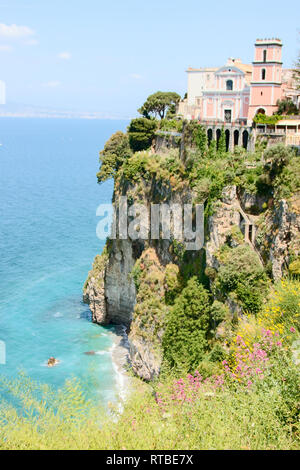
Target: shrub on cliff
[[282, 311], [294, 267], [173, 282], [116, 151], [141, 133], [150, 309], [276, 158], [185, 337], [240, 272], [286, 106], [173, 125], [287, 182]]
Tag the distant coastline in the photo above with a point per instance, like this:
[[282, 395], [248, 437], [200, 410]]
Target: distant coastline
[[28, 111], [90, 116]]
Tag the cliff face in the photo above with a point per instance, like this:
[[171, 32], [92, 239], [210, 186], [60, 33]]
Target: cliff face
[[110, 289], [274, 234], [115, 296], [283, 241]]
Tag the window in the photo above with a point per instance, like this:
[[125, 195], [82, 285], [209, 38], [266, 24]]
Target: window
[[265, 56], [263, 74], [227, 115], [229, 85]]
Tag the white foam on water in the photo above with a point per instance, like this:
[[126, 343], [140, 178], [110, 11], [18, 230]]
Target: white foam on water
[[58, 315], [121, 378], [101, 353]]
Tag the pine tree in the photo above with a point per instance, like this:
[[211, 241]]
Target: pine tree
[[185, 337]]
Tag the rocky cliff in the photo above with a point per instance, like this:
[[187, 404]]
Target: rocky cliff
[[130, 281], [274, 232], [110, 290]]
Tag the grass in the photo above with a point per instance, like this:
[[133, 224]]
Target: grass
[[223, 420]]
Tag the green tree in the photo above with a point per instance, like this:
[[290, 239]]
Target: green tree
[[141, 132], [212, 150], [200, 139], [286, 107], [171, 113], [114, 154], [222, 143], [158, 104], [185, 337]]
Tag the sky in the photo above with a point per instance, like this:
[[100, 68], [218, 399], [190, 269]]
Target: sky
[[107, 56]]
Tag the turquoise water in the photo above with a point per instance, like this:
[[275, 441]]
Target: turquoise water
[[49, 197]]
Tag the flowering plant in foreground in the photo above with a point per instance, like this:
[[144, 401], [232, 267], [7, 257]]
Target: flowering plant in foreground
[[245, 368]]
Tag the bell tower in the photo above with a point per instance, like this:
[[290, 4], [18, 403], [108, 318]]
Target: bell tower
[[266, 77]]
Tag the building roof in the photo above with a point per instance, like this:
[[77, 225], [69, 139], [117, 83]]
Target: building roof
[[268, 42], [246, 68]]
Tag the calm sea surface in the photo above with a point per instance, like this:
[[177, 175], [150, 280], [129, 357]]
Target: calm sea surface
[[48, 200]]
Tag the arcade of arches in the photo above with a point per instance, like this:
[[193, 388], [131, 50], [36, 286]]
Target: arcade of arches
[[235, 135]]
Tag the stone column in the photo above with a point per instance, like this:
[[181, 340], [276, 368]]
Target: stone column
[[231, 140], [251, 140], [240, 141]]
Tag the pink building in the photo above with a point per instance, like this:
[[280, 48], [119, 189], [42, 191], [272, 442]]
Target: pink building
[[218, 94], [236, 92], [266, 84], [228, 100]]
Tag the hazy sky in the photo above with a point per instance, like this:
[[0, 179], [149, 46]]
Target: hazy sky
[[108, 56]]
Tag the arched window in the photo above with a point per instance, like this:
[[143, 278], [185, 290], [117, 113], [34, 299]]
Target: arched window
[[227, 137], [229, 85], [265, 56], [218, 135], [209, 136], [236, 135], [245, 137], [263, 74]]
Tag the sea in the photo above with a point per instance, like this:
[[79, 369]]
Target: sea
[[48, 200]]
